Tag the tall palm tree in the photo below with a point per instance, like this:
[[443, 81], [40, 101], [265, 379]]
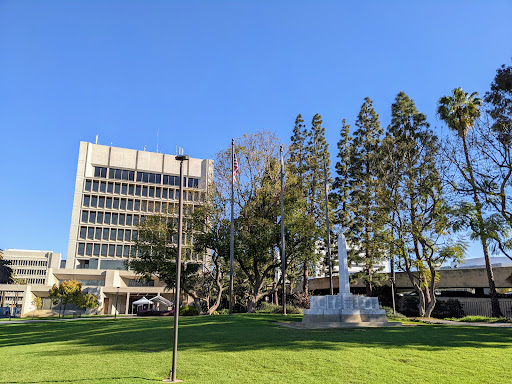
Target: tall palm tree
[[459, 111]]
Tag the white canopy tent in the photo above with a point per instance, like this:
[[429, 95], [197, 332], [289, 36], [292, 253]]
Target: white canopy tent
[[144, 303], [162, 301]]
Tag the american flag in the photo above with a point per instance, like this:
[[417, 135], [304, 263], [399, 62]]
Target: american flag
[[236, 169]]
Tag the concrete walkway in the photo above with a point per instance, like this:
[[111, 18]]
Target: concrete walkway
[[467, 324]]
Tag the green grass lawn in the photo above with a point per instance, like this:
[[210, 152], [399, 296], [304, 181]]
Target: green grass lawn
[[250, 349]]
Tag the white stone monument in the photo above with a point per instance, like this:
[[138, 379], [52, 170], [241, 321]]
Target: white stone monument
[[344, 309]]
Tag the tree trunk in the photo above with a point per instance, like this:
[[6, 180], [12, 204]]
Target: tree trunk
[[305, 279]]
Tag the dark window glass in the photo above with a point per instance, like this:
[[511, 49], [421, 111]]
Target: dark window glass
[[90, 233], [158, 179], [110, 187], [171, 193], [139, 176], [126, 250], [108, 203], [127, 235], [137, 190], [87, 185], [99, 218], [131, 189], [84, 216], [123, 204], [124, 189], [116, 203], [157, 206], [105, 233], [119, 250], [113, 234], [101, 202], [121, 218], [150, 206], [97, 235], [137, 205], [130, 205], [104, 248], [134, 235], [111, 249], [117, 188], [83, 230], [111, 173], [96, 249], [136, 220], [92, 217], [144, 206], [81, 247], [152, 178], [145, 177], [94, 201], [103, 186], [95, 186], [132, 176], [88, 249], [158, 192], [120, 234], [119, 174], [166, 179], [151, 191], [97, 172], [164, 193], [87, 201], [128, 219], [144, 191], [107, 218], [114, 218]]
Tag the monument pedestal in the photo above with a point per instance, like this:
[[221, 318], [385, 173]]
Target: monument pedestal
[[344, 309]]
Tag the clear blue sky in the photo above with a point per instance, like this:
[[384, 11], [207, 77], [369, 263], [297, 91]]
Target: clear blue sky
[[202, 72]]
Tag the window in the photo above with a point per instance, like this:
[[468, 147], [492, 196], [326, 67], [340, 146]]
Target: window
[[193, 183], [110, 187], [111, 249], [144, 191], [124, 189], [104, 249], [157, 206], [120, 235], [101, 202], [137, 205], [151, 191], [88, 249], [121, 218], [81, 247], [99, 218], [83, 231], [150, 206], [171, 180], [103, 186], [121, 174], [94, 201], [87, 185], [116, 203], [90, 233], [108, 204], [114, 218], [144, 206], [96, 251], [105, 234], [164, 193], [87, 201], [95, 186], [130, 205], [128, 219], [147, 177], [113, 233], [137, 190], [127, 235], [92, 217], [107, 218], [126, 250], [119, 250], [117, 188], [100, 172], [136, 220], [158, 192], [123, 203], [131, 189], [97, 235], [171, 193]]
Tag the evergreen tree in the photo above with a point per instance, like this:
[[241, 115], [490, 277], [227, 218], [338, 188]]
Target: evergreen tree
[[341, 185], [366, 226]]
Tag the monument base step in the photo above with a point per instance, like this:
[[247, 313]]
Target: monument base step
[[326, 325]]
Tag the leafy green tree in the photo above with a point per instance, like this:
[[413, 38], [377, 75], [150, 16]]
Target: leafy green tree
[[459, 111], [6, 273], [365, 234], [341, 185], [67, 292], [411, 198], [38, 303]]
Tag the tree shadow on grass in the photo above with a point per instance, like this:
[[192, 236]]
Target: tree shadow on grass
[[242, 333]]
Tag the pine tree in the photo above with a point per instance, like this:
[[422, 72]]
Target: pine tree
[[341, 186], [366, 227]]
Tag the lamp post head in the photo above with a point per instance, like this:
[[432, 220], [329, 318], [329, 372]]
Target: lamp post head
[[182, 157]]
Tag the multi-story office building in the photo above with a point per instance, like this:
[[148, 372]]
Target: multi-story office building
[[115, 189], [31, 267]]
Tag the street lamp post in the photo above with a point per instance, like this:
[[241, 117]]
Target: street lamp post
[[172, 374], [117, 303]]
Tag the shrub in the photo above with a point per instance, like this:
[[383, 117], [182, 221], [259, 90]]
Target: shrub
[[389, 313], [481, 319], [273, 308], [223, 311], [188, 310], [449, 308], [152, 312], [301, 300], [215, 313]]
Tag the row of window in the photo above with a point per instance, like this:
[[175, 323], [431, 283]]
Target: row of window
[[95, 249], [144, 177], [131, 204], [29, 263], [20, 272], [112, 234], [108, 218], [140, 190]]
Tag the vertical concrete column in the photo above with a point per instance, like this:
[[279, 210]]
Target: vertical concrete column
[[127, 303]]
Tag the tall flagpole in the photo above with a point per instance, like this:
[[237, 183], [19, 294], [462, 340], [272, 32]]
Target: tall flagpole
[[232, 245], [283, 257]]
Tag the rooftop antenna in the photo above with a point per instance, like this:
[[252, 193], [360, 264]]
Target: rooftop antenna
[[179, 151], [96, 140], [157, 132], [145, 148]]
